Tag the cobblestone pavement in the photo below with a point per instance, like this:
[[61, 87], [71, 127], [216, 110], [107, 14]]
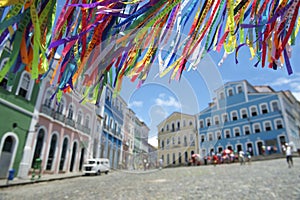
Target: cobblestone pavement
[[270, 179]]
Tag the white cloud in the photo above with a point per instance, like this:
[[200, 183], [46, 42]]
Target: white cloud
[[170, 102], [153, 141], [297, 95], [281, 81], [135, 104]]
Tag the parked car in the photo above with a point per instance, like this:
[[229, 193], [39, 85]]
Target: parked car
[[96, 166]]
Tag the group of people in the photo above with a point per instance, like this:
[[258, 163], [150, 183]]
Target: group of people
[[229, 156]]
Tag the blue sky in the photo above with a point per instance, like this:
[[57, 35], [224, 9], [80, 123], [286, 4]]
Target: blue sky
[[157, 97]]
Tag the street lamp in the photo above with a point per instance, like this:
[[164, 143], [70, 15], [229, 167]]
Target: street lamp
[[15, 125]]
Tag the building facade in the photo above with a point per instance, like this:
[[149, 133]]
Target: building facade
[[246, 117], [66, 129], [177, 139], [18, 95], [128, 140], [112, 131]]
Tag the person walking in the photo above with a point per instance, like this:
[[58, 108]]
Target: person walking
[[289, 157]]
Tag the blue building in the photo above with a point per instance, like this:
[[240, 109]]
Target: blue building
[[111, 135], [243, 116]]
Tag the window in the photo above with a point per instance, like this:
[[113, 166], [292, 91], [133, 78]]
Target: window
[[108, 95], [264, 109], [267, 126], [256, 128], [178, 125], [179, 140], [208, 123], [244, 113], [239, 89], [173, 140], [227, 133], [167, 127], [253, 111], [79, 117], [173, 127], [25, 86], [162, 144], [246, 130], [222, 95], [191, 123], [4, 81], [60, 106], [70, 112], [174, 160], [275, 106], [237, 132], [225, 117], [218, 135], [210, 137], [202, 138], [216, 119], [185, 141], [230, 92], [168, 159], [192, 140], [168, 143], [87, 121], [111, 124], [201, 124], [234, 115], [162, 129], [185, 124], [48, 99], [279, 124]]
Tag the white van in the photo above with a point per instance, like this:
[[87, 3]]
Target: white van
[[96, 166]]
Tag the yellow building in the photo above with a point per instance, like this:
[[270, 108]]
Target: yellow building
[[177, 139]]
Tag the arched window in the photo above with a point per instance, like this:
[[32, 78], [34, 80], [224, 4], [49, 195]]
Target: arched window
[[237, 132], [222, 95], [87, 121], [279, 124], [162, 144], [256, 128], [244, 113], [210, 137], [267, 126], [201, 124], [167, 127], [208, 123], [202, 138], [234, 116], [230, 92], [246, 130], [60, 107], [79, 117], [179, 140], [185, 141], [178, 125], [70, 112], [275, 106], [216, 119], [239, 89], [253, 111], [218, 135], [25, 86], [227, 133], [47, 102], [264, 109]]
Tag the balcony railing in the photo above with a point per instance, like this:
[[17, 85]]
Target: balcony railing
[[70, 122]]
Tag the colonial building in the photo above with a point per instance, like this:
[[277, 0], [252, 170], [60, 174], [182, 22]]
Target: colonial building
[[128, 140], [64, 138], [18, 95], [112, 131], [244, 117], [177, 139]]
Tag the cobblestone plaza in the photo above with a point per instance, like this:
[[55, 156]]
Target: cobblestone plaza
[[270, 179]]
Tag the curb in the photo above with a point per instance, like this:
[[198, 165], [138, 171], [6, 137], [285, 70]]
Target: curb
[[27, 182]]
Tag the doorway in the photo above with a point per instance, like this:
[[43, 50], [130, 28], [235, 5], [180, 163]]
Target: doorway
[[7, 152], [73, 158]]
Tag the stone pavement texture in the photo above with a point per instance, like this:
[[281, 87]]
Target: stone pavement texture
[[271, 179]]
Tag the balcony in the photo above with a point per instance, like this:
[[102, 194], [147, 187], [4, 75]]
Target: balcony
[[59, 117], [86, 130], [70, 122], [47, 110]]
